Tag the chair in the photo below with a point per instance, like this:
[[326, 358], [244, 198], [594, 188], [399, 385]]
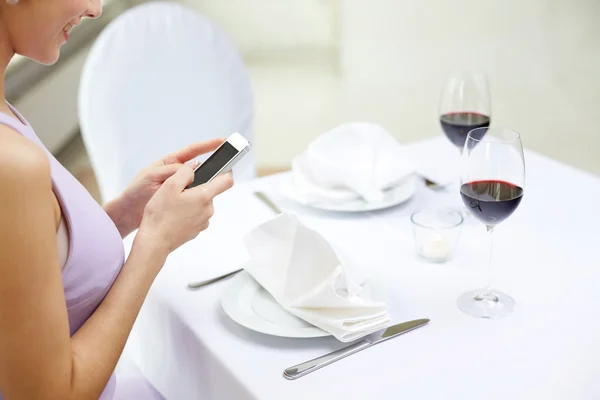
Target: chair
[[159, 77]]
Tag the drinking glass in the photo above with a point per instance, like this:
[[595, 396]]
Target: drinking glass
[[464, 105], [492, 186]]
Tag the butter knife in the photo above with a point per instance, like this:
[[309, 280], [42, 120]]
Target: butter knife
[[307, 367], [198, 285]]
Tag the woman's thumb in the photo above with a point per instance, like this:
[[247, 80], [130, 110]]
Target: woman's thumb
[[183, 176]]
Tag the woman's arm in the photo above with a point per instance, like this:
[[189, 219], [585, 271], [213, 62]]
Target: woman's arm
[[98, 344], [124, 221], [38, 359]]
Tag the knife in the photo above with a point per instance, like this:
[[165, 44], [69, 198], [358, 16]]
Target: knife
[[198, 285], [307, 367]]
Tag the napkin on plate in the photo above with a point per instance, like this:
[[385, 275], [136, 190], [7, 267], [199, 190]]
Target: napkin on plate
[[302, 271], [358, 159]]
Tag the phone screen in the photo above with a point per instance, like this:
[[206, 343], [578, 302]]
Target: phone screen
[[213, 164]]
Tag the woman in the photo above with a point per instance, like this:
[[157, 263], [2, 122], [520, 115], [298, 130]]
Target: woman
[[68, 299]]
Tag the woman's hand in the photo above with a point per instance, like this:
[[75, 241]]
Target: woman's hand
[[175, 215], [127, 210]]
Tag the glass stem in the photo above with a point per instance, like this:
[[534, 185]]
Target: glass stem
[[490, 271]]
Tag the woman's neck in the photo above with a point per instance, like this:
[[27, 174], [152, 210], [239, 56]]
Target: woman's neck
[[6, 54]]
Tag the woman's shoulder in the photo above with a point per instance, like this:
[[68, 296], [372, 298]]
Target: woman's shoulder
[[22, 162]]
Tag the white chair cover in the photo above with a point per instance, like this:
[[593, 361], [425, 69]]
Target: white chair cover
[[159, 77]]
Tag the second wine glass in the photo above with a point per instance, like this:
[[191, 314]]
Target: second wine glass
[[492, 187], [464, 105]]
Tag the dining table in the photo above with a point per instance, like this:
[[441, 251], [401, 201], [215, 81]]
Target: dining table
[[546, 256]]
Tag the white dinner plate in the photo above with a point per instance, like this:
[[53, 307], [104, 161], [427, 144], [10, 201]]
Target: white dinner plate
[[393, 196], [251, 306]]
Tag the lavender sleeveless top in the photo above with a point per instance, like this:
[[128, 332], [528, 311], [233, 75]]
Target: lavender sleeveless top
[[96, 252]]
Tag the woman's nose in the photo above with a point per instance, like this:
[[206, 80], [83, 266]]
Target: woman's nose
[[95, 9]]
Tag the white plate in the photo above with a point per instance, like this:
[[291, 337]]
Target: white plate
[[251, 306], [392, 197]]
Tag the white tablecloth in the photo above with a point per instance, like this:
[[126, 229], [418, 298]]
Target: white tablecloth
[[547, 256]]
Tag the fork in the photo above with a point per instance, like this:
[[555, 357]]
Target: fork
[[265, 199], [434, 185]]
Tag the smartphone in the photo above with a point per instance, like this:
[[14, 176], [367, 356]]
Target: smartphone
[[222, 160]]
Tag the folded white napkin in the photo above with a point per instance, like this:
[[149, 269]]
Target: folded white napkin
[[301, 270], [358, 159]]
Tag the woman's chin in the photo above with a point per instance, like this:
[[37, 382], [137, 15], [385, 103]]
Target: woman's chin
[[49, 57]]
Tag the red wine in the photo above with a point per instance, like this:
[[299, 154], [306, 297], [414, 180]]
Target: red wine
[[457, 125], [491, 202]]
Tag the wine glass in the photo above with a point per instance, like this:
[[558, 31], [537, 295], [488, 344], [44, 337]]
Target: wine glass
[[492, 186], [464, 105]]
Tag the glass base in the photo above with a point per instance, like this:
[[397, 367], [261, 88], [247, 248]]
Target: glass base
[[482, 304]]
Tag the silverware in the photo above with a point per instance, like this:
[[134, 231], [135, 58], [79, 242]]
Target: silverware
[[305, 368], [198, 285], [265, 199], [434, 185]]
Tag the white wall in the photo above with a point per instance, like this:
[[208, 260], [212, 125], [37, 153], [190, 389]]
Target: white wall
[[274, 25], [542, 58]]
